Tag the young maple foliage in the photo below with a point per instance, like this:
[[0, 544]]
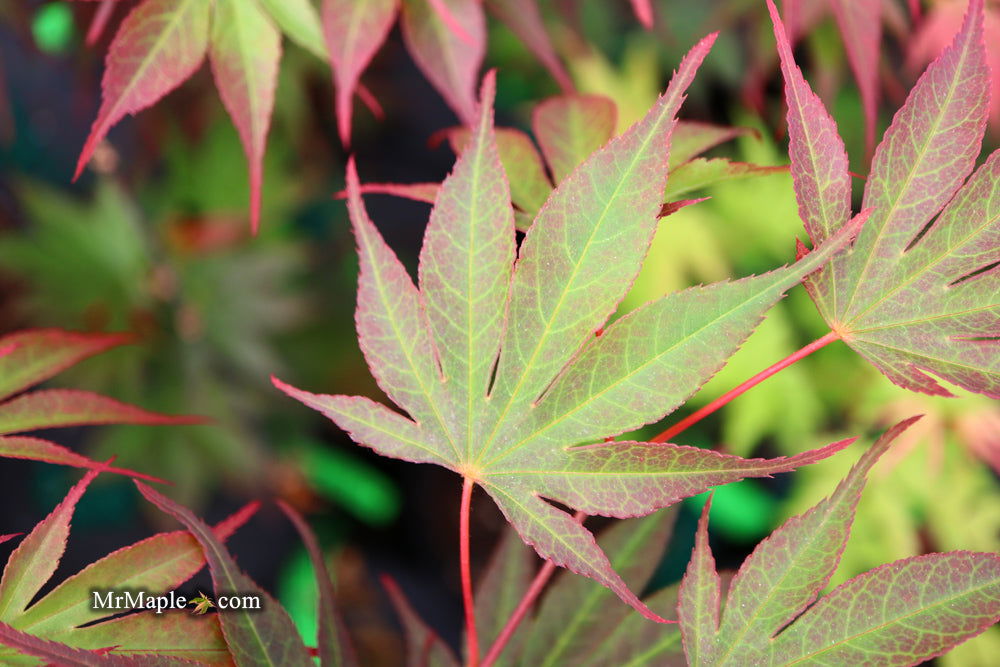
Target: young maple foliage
[[63, 627], [898, 614], [569, 128], [918, 291], [30, 357], [497, 366], [161, 43]]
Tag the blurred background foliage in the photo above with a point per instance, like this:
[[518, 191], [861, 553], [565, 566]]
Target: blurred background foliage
[[153, 240]]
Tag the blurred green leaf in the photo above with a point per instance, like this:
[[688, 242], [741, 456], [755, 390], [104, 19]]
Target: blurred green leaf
[[346, 480]]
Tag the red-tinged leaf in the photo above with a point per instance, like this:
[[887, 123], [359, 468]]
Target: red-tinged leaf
[[158, 45], [449, 62], [860, 24], [300, 21], [245, 51], [422, 192], [38, 554], [472, 219], [53, 408], [819, 160], [644, 12], [692, 138], [525, 20], [570, 128], [374, 425], [9, 537], [672, 207], [162, 562], [921, 607], [935, 32], [36, 355], [265, 636], [701, 173], [634, 641], [354, 30], [500, 590], [178, 635], [395, 339], [658, 475], [648, 363], [699, 597], [423, 646], [899, 614], [576, 614], [786, 572], [334, 645], [918, 295], [529, 186], [36, 449], [576, 262], [55, 653]]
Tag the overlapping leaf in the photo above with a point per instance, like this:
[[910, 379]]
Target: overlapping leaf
[[64, 620], [525, 20], [33, 356], [918, 292], [576, 617], [571, 127], [498, 369], [161, 43], [354, 31], [244, 52], [899, 614], [449, 60], [424, 648], [578, 621], [334, 645], [255, 637], [500, 590]]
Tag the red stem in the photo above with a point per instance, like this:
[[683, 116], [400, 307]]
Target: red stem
[[470, 609], [698, 415], [99, 21], [523, 607]]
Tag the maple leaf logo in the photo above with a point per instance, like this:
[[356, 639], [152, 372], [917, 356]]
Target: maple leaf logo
[[202, 604]]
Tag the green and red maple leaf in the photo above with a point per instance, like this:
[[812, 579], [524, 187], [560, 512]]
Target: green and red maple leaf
[[918, 294], [901, 613], [63, 626], [496, 363]]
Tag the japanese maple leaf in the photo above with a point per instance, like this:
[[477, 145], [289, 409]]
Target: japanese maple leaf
[[65, 626], [901, 613], [919, 292], [496, 362]]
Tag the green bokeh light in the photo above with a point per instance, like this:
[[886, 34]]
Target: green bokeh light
[[742, 511], [53, 27], [349, 482]]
